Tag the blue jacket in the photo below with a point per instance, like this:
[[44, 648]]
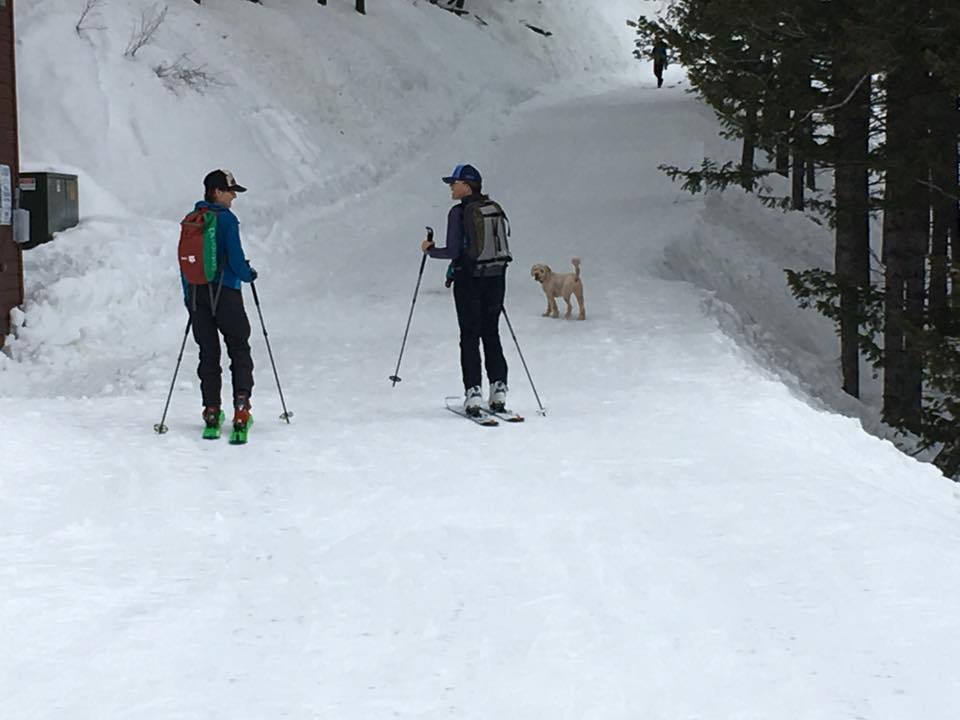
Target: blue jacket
[[232, 263]]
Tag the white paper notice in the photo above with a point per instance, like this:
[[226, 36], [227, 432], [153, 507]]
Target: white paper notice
[[6, 195]]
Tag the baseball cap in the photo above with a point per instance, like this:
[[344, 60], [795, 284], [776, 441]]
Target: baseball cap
[[222, 180], [466, 173]]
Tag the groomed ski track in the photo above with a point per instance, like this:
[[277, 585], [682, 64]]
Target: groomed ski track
[[681, 537]]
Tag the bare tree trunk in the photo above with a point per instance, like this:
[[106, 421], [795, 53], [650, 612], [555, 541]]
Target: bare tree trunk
[[749, 149], [800, 139], [811, 166], [798, 201], [777, 104], [852, 257], [905, 239], [955, 225], [953, 209], [781, 149], [802, 156], [943, 174], [783, 158]]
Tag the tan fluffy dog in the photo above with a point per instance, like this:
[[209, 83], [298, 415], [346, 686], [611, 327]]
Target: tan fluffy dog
[[560, 285]]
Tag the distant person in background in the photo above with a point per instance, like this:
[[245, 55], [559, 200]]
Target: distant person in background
[[659, 59]]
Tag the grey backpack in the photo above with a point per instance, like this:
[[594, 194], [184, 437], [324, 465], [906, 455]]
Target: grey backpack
[[488, 234]]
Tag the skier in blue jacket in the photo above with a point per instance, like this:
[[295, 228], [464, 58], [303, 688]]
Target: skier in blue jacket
[[217, 309]]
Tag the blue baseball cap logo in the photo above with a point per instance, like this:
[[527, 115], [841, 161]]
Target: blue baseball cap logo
[[466, 173]]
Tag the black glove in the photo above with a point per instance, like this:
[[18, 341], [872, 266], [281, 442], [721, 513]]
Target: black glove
[[253, 273]]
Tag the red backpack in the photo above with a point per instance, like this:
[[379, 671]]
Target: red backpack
[[197, 250]]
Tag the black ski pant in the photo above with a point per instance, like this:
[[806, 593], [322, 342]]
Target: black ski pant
[[658, 71], [230, 320], [479, 302]]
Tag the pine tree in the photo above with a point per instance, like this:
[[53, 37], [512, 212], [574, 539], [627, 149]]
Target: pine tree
[[869, 90]]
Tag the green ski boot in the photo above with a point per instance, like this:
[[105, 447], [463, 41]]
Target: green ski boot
[[213, 418], [242, 420]]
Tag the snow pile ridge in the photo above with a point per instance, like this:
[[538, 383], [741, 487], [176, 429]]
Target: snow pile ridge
[[298, 97]]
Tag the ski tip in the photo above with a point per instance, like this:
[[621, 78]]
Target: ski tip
[[481, 419], [505, 414]]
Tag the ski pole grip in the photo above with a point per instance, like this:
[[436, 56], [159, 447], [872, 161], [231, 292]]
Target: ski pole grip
[[429, 234]]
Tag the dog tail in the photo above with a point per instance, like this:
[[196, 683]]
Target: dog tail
[[576, 264]]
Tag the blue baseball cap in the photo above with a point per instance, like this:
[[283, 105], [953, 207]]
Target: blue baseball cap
[[466, 173]]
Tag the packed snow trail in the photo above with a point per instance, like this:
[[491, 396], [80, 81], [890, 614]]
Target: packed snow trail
[[681, 536]]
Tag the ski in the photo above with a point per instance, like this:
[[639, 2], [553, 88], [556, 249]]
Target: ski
[[484, 420], [213, 433], [506, 415], [238, 436]]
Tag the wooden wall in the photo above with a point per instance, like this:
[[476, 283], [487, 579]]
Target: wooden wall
[[11, 260]]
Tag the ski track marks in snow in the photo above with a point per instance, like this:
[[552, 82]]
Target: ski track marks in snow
[[682, 536]]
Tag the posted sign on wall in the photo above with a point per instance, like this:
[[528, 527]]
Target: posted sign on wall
[[6, 195]]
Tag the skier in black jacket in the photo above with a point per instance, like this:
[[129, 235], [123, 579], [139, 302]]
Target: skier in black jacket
[[478, 294]]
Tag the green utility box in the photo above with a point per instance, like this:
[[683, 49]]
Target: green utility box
[[52, 199]]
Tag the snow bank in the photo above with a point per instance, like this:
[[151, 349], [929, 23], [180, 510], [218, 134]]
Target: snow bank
[[308, 103], [309, 106], [736, 253]]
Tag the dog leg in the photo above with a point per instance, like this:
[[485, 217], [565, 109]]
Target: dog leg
[[554, 310], [566, 299], [579, 293]]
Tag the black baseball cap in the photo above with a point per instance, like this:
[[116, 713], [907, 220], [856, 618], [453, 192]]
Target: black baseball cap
[[222, 180]]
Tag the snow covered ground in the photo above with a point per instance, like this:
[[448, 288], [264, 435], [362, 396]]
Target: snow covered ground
[[688, 533]]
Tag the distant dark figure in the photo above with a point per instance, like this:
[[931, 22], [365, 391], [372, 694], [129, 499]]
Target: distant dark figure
[[659, 59]]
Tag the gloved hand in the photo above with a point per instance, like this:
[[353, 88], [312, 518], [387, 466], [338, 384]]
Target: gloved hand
[[253, 273]]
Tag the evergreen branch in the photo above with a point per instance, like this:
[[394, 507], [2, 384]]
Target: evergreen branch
[[939, 190], [844, 103]]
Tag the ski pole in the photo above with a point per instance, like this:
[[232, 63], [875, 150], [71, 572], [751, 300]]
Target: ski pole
[[286, 415], [506, 317], [160, 428], [423, 261]]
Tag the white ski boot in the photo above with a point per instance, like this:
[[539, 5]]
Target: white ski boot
[[498, 396], [473, 401]]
